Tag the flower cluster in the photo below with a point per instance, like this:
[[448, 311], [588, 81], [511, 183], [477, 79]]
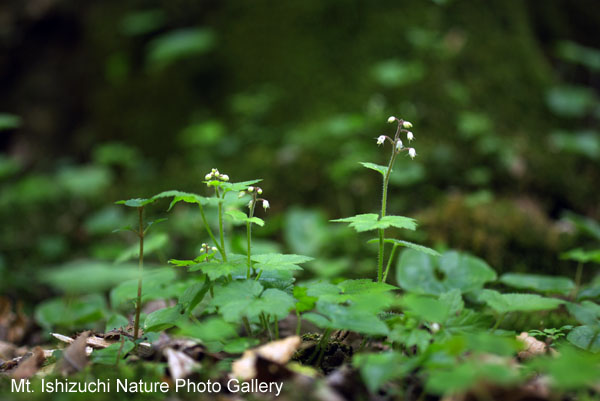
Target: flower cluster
[[208, 249], [403, 127], [214, 174], [254, 191]]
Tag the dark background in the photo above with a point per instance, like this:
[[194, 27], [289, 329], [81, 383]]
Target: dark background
[[107, 100]]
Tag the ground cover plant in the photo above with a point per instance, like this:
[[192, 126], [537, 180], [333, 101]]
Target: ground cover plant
[[421, 323]]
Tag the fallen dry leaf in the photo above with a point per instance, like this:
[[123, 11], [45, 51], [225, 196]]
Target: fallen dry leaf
[[279, 351], [30, 365], [75, 356], [180, 364], [533, 346], [13, 326]]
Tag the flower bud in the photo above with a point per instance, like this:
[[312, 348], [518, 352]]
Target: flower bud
[[214, 249], [399, 144], [407, 124], [435, 327], [224, 177], [391, 119], [266, 204], [410, 136], [208, 176], [412, 152], [380, 139], [259, 191], [250, 189]]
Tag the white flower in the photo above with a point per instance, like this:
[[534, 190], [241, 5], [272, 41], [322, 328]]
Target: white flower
[[410, 136], [435, 327], [399, 144], [250, 189], [380, 139], [259, 191], [266, 204], [208, 176], [214, 249], [224, 177], [391, 119], [241, 194], [407, 124], [412, 152]]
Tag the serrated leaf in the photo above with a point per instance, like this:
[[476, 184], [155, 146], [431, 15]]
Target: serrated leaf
[[110, 354], [586, 313], [188, 262], [426, 308], [341, 317], [179, 196], [418, 272], [209, 330], [238, 186], [364, 287], [539, 283], [234, 266], [371, 221], [163, 319], [379, 168], [411, 245], [504, 303], [277, 261], [377, 369], [585, 337], [241, 217], [582, 256], [453, 299]]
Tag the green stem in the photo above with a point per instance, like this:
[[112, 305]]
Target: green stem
[[210, 233], [247, 326], [138, 307], [389, 263], [221, 233], [323, 346], [386, 180], [498, 321], [249, 236]]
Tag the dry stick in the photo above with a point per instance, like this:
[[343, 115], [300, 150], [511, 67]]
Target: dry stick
[[138, 307]]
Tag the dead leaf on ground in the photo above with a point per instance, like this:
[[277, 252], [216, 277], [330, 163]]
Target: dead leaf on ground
[[180, 364], [533, 346], [13, 326], [279, 352], [30, 365], [75, 357]]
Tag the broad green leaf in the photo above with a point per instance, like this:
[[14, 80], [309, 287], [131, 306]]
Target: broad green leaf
[[241, 217], [306, 231], [371, 221], [99, 276], [155, 285], [211, 329], [186, 197], [305, 301], [236, 265], [72, 314], [453, 299], [238, 186], [585, 337], [426, 308], [277, 261], [539, 283], [418, 272], [364, 287], [586, 313], [381, 169], [152, 243], [246, 298], [194, 294], [570, 369], [136, 202], [352, 317], [110, 354], [163, 319], [377, 369], [504, 303], [467, 375], [411, 337], [188, 262], [364, 293], [115, 321], [239, 345], [9, 121]]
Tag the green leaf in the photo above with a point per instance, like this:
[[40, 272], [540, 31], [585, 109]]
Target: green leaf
[[193, 295], [9, 121], [377, 369], [209, 330], [407, 244], [571, 369], [352, 317], [163, 319], [586, 313], [466, 375], [539, 283], [418, 272], [582, 256], [239, 345], [152, 243], [305, 302], [277, 261], [155, 285], [72, 313], [426, 308], [585, 337], [411, 337], [381, 169], [238, 186], [235, 266], [179, 44], [188, 262], [110, 354], [186, 197], [241, 217], [246, 298], [453, 299], [136, 202], [504, 303], [371, 221]]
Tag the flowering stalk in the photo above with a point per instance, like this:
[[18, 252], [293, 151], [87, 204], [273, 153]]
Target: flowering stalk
[[397, 147], [138, 306], [253, 191], [214, 174]]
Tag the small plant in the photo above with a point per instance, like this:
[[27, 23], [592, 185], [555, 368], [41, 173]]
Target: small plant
[[372, 221]]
